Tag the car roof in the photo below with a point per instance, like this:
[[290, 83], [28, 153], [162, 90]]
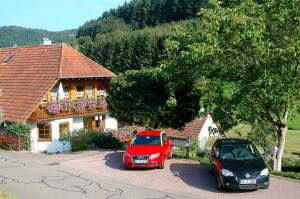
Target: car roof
[[149, 133], [225, 141]]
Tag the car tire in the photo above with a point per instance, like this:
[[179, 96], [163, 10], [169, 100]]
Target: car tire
[[219, 184], [162, 166]]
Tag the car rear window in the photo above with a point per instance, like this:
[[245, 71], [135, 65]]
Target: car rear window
[[239, 151], [146, 140]]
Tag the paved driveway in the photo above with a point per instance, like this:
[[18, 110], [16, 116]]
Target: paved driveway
[[179, 179]]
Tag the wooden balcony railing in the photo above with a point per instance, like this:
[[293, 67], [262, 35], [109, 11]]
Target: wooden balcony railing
[[67, 108]]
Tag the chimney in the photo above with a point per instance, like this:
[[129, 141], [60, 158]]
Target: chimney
[[47, 41]]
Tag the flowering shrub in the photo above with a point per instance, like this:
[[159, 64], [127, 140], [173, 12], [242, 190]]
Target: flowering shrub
[[54, 107], [66, 106], [91, 104], [77, 106], [80, 105], [101, 103]]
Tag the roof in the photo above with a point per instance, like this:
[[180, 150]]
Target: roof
[[149, 133], [191, 129], [33, 70]]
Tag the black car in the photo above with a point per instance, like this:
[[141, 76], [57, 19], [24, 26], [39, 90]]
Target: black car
[[237, 164]]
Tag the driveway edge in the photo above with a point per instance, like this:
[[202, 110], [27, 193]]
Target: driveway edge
[[284, 178]]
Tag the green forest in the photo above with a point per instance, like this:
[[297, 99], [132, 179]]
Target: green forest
[[10, 35], [132, 36]]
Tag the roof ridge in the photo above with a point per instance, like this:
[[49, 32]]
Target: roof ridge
[[30, 46]]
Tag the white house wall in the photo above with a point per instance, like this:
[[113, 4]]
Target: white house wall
[[55, 145], [110, 122], [204, 133]]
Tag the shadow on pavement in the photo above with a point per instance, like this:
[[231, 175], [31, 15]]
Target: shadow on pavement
[[195, 175]]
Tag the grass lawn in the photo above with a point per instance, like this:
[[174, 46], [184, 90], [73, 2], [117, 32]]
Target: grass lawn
[[292, 144], [6, 196], [294, 124]]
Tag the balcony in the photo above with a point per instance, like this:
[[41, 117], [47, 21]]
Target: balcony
[[66, 108]]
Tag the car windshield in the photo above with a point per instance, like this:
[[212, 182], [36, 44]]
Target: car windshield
[[146, 140], [239, 151]]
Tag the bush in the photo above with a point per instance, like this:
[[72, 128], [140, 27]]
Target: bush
[[292, 175], [18, 128], [87, 138], [11, 142]]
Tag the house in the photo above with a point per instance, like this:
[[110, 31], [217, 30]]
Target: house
[[54, 89], [198, 129]]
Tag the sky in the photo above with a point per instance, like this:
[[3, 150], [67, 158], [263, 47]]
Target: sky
[[53, 15]]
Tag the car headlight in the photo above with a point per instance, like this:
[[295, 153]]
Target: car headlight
[[126, 155], [264, 172], [226, 173], [155, 155]]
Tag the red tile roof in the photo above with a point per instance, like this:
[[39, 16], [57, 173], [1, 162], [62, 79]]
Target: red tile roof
[[34, 70], [75, 64], [191, 129]]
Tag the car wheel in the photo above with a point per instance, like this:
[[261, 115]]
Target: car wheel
[[219, 185], [162, 166]]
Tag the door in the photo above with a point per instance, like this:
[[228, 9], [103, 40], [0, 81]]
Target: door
[[166, 145], [214, 158]]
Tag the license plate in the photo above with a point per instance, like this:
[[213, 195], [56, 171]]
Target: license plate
[[140, 161], [248, 181]]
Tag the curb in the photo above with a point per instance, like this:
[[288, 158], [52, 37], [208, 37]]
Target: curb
[[284, 178]]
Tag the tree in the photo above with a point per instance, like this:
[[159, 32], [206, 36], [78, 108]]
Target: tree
[[141, 98], [245, 59]]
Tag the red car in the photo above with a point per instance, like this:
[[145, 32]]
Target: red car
[[148, 149]]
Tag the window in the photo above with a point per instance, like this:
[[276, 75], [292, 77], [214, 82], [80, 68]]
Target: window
[[44, 132], [100, 91], [54, 93], [67, 92], [64, 129], [88, 122], [80, 89], [89, 91]]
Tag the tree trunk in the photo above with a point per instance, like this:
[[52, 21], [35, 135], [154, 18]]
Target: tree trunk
[[282, 130]]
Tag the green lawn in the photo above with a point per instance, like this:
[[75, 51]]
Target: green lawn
[[6, 196], [292, 143], [294, 124]]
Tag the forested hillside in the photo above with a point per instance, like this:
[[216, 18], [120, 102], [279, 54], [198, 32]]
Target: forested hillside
[[132, 36], [27, 36], [140, 13]]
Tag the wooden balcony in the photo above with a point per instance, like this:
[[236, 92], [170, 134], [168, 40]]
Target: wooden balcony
[[42, 113]]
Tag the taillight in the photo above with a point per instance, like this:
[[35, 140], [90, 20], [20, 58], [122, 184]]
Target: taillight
[[219, 166]]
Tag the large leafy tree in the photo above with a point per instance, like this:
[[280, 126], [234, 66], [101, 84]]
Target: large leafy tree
[[142, 98], [245, 60]]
